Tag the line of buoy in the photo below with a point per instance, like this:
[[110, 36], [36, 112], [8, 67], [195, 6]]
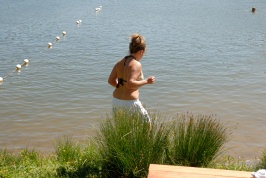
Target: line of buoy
[[26, 61], [18, 68], [49, 45]]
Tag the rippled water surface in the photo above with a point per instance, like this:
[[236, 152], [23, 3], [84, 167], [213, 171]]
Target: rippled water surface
[[207, 57]]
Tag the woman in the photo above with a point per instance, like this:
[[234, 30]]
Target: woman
[[127, 78]]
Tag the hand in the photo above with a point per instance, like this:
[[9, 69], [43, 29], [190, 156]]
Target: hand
[[151, 80]]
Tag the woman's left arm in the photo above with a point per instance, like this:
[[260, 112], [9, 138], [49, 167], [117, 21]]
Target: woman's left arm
[[112, 80]]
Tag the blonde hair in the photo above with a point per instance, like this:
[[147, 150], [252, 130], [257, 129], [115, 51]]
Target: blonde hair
[[137, 43]]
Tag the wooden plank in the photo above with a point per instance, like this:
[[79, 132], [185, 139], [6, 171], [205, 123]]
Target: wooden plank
[[166, 171]]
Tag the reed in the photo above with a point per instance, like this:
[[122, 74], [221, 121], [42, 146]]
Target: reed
[[129, 145], [196, 140]]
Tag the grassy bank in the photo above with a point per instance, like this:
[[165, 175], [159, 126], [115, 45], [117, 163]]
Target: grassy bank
[[125, 145]]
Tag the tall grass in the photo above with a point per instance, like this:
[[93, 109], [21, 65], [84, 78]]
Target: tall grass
[[196, 140], [129, 145], [77, 160]]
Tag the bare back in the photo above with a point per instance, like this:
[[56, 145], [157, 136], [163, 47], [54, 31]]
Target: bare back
[[127, 70]]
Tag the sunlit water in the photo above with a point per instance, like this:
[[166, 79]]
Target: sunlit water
[[207, 57]]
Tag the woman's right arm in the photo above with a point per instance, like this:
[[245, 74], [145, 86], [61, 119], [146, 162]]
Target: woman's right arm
[[133, 75]]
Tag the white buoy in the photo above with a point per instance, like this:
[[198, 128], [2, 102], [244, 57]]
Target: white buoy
[[98, 8], [18, 67], [1, 79], [79, 21], [57, 38], [26, 62], [64, 33], [50, 45]]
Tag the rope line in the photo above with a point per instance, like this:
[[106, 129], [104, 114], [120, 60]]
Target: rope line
[[49, 45], [26, 61]]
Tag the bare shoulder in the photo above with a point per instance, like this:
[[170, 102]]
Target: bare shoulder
[[118, 63], [136, 64]]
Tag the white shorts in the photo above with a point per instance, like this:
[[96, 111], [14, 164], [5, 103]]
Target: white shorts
[[134, 105]]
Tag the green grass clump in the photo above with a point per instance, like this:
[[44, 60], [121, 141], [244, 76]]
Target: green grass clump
[[77, 160], [129, 145], [196, 140], [70, 160], [262, 161]]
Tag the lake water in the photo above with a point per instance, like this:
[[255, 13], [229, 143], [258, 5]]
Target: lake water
[[208, 57]]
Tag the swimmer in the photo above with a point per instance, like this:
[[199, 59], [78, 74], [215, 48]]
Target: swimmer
[[253, 9], [127, 77]]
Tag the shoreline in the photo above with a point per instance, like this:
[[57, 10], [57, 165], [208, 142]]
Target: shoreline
[[47, 148]]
